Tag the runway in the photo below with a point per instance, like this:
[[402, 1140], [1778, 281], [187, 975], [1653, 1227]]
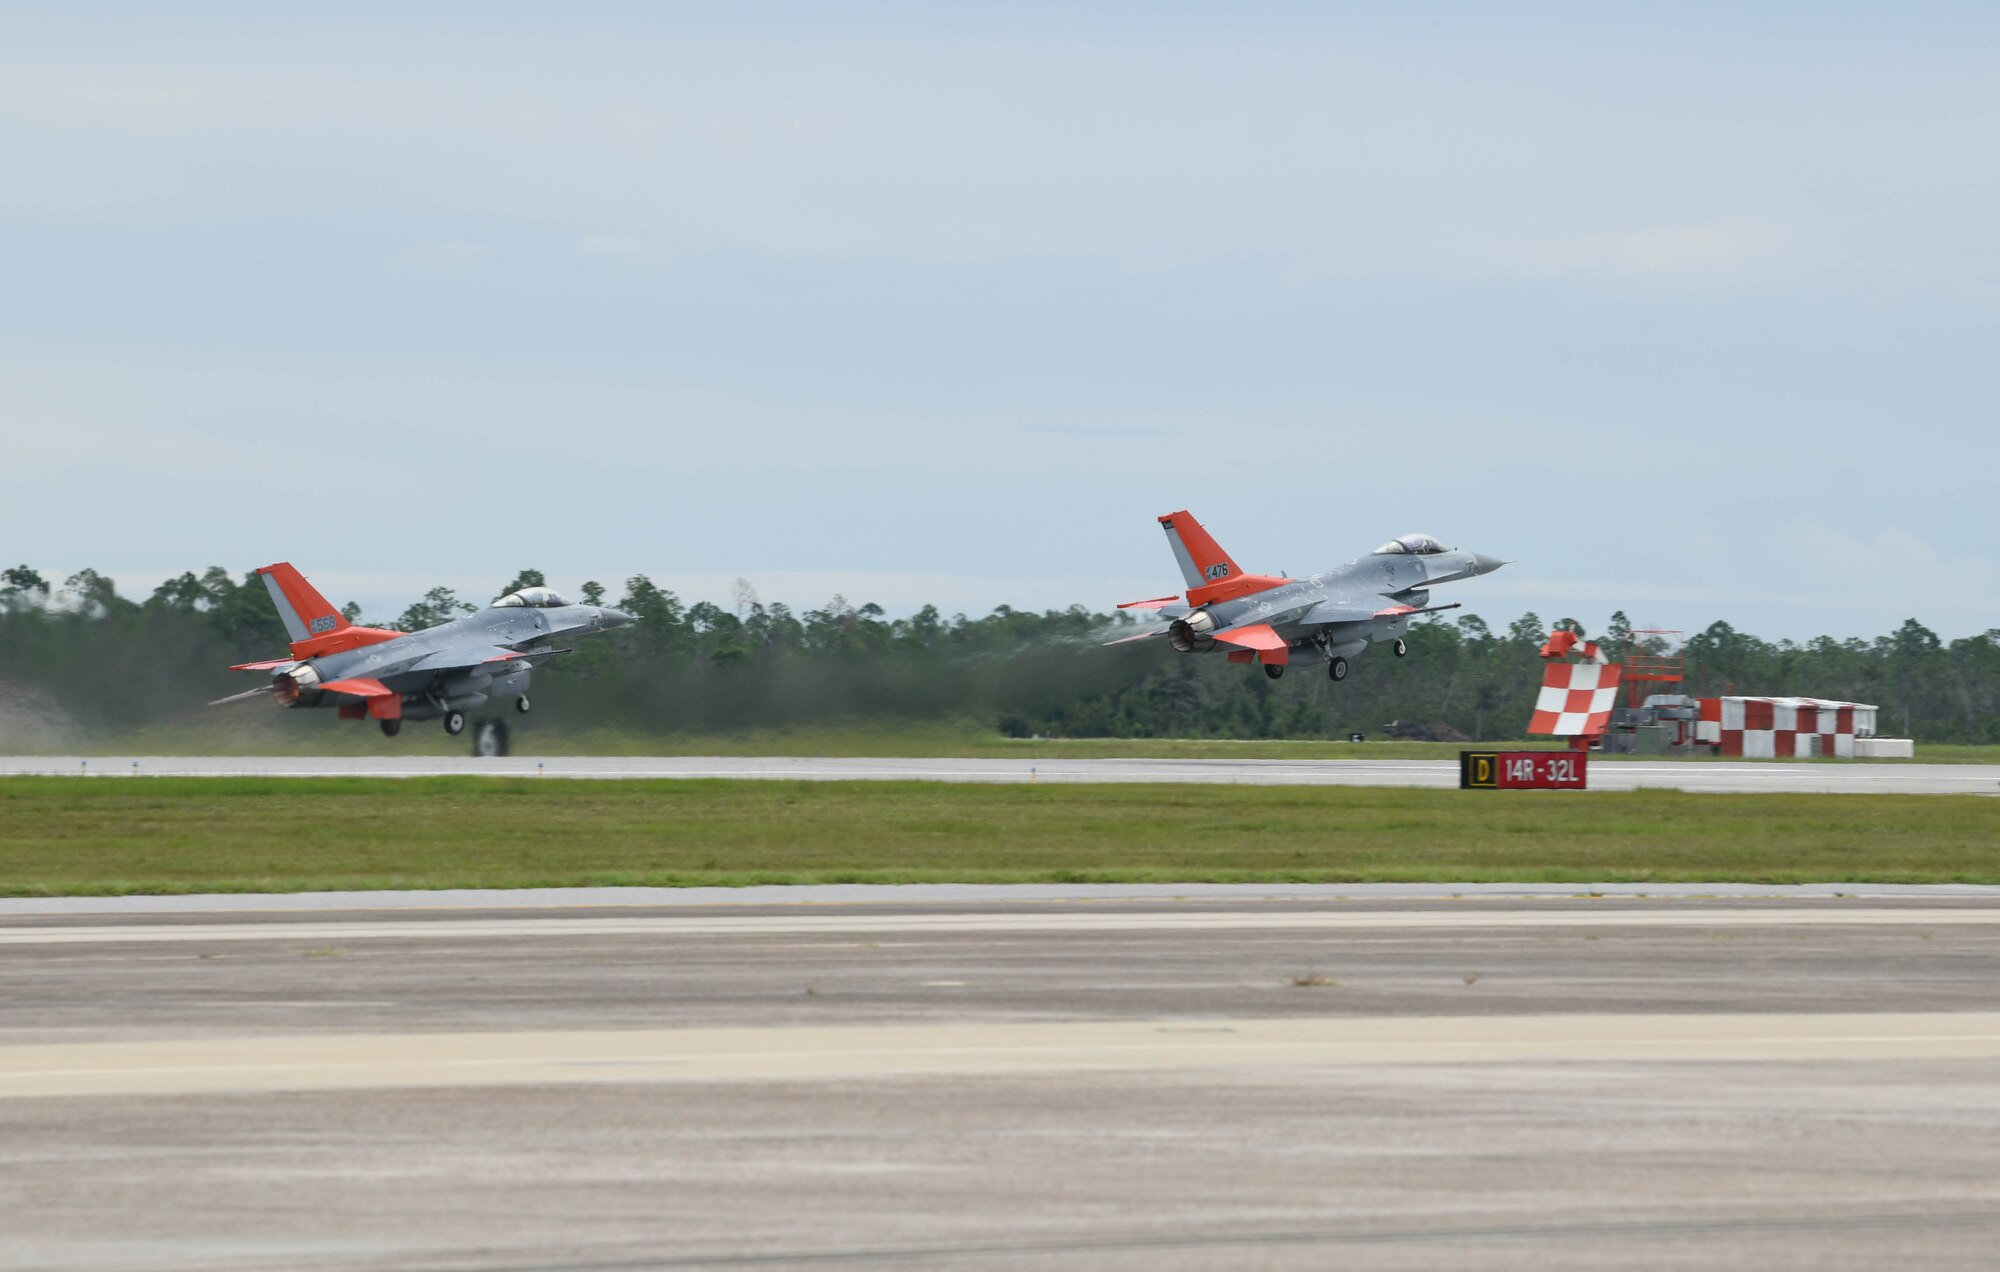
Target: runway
[[1390, 1076], [1704, 776]]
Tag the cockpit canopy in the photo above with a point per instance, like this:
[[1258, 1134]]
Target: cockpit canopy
[[1415, 544], [533, 598]]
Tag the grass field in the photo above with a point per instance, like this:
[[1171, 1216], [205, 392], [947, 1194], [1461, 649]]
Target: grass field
[[127, 835]]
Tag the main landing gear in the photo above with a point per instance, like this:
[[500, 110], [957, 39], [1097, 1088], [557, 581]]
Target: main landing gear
[[1336, 668], [1402, 649], [1274, 670]]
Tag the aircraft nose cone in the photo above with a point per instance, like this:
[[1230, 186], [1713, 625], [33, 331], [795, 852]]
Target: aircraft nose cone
[[1483, 564]]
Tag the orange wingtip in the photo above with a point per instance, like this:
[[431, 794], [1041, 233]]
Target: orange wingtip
[[1155, 603], [269, 664]]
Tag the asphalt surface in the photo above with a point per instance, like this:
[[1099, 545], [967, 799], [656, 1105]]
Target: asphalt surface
[[1707, 776], [1250, 1077], [975, 895]]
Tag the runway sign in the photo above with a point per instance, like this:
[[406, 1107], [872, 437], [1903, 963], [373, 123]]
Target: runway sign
[[1521, 770]]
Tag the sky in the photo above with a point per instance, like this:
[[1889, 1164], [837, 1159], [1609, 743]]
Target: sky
[[1686, 311]]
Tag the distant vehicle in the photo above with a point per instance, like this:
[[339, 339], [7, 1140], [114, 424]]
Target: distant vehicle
[[1328, 617], [439, 673]]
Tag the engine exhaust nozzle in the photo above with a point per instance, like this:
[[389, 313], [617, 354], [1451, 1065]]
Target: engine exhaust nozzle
[[1190, 635], [288, 687]]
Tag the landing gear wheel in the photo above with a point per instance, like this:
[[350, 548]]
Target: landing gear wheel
[[390, 728], [1274, 670], [454, 722], [1336, 669], [489, 738], [521, 704], [1402, 649]]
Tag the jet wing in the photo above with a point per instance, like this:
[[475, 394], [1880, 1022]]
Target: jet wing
[[476, 655], [1328, 612]]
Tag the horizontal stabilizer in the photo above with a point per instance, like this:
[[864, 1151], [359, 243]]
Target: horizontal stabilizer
[[360, 687], [1271, 649], [1255, 636]]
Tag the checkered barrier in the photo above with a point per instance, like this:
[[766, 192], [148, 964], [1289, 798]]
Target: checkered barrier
[[1560, 643], [1576, 699], [1771, 728]]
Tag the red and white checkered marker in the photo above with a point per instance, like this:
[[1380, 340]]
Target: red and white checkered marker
[[1765, 728], [1576, 699]]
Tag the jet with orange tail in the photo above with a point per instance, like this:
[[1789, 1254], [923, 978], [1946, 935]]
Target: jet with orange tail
[[1328, 617], [439, 673]]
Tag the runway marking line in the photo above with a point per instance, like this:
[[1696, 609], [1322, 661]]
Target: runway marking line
[[831, 1053]]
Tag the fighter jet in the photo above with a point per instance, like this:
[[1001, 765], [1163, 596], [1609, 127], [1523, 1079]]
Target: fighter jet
[[1328, 617], [438, 673]]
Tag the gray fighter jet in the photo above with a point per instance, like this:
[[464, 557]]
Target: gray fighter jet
[[1328, 617], [438, 673]]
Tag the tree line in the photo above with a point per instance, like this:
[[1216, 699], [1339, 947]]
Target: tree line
[[108, 660]]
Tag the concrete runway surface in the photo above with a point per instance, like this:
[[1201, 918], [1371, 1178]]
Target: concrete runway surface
[[1706, 776], [1390, 1076]]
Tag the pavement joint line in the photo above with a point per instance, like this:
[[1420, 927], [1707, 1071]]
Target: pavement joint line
[[702, 926], [805, 897]]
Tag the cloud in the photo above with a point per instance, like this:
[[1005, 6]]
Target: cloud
[[1733, 254], [1126, 432], [1375, 151], [626, 250], [447, 256], [1892, 570]]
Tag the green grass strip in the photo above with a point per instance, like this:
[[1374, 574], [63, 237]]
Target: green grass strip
[[108, 836]]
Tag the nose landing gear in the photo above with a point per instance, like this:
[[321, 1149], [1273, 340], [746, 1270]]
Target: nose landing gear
[[454, 722], [1402, 649], [521, 704]]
